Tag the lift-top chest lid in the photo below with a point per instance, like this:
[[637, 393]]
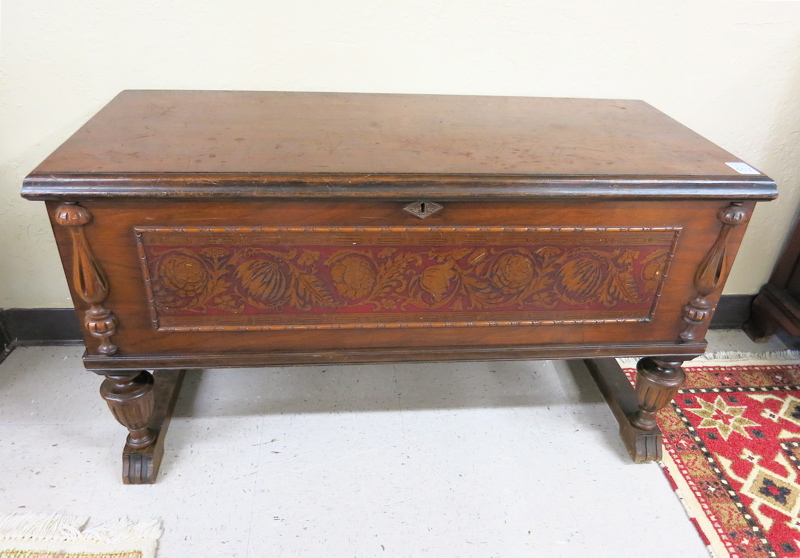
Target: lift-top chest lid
[[236, 144]]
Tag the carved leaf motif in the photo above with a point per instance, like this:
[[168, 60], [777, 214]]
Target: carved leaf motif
[[621, 287], [391, 274], [309, 291], [480, 297]]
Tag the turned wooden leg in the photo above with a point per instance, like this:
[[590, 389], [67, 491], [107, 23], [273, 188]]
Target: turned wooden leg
[[144, 405], [131, 401], [656, 383]]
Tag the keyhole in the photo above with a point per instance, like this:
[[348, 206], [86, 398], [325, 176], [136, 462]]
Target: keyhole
[[422, 209]]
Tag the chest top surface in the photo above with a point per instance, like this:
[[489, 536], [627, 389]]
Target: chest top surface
[[273, 144]]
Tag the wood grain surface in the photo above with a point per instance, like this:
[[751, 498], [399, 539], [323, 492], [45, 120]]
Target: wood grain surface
[[231, 144]]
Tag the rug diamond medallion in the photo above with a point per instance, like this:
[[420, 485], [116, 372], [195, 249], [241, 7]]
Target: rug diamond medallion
[[732, 450]]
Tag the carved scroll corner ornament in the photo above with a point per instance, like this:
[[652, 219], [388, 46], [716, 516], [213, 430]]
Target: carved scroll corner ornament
[[88, 277], [712, 272]]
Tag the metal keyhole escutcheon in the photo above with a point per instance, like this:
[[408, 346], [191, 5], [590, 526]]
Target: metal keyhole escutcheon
[[423, 209]]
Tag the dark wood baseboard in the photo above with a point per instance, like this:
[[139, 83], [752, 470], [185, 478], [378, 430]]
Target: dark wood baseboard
[[732, 311], [5, 338], [24, 327]]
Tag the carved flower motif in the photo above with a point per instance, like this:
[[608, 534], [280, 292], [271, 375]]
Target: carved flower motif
[[436, 279], [512, 272], [184, 275], [354, 277]]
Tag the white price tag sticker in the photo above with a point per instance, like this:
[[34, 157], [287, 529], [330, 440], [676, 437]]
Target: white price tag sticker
[[742, 168]]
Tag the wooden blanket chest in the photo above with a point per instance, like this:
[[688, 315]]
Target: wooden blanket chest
[[226, 229]]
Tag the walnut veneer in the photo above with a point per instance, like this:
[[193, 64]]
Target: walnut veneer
[[207, 229]]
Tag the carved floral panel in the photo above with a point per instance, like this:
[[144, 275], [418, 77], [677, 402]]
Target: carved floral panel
[[221, 278]]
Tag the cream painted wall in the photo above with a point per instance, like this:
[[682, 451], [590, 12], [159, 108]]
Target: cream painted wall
[[728, 69]]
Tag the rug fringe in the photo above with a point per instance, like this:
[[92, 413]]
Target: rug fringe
[[41, 526], [728, 356], [124, 530], [57, 527], [784, 355]]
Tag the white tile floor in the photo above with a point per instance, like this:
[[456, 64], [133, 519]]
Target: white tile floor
[[505, 459]]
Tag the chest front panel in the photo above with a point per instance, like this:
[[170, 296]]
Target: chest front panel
[[321, 275]]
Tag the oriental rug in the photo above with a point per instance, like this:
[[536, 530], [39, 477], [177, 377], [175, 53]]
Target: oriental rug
[[65, 536], [732, 454]]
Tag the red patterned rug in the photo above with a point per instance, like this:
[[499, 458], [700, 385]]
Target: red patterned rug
[[732, 453]]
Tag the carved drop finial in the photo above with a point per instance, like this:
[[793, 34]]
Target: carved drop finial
[[88, 277], [713, 271]]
